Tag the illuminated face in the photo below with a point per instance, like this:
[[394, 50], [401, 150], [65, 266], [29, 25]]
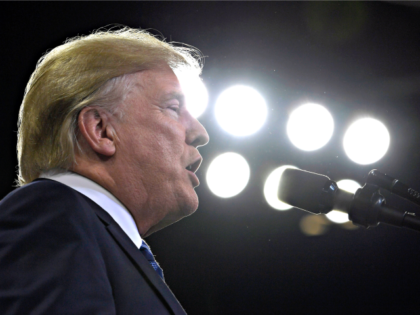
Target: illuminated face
[[157, 148]]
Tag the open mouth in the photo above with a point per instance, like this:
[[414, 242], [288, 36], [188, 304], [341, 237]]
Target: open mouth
[[194, 166]]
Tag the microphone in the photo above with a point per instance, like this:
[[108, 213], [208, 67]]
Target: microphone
[[316, 193], [312, 192]]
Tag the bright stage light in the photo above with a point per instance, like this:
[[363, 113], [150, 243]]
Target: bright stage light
[[310, 127], [271, 188], [348, 185], [240, 110], [228, 174], [196, 95], [366, 141], [338, 216]]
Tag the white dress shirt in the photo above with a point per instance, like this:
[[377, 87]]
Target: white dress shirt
[[103, 198]]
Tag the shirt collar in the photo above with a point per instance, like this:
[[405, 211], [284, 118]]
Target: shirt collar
[[103, 198]]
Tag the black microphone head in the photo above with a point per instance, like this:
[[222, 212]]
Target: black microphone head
[[304, 190]]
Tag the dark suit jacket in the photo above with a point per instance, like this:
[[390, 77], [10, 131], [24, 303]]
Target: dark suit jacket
[[60, 253]]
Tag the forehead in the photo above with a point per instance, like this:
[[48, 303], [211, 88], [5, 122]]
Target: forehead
[[158, 82]]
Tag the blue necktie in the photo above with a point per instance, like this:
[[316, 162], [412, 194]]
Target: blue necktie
[[145, 250]]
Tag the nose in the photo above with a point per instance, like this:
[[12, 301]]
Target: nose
[[197, 135]]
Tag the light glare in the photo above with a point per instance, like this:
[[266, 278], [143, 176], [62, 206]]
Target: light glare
[[310, 127], [228, 174], [338, 216], [366, 141], [196, 95], [240, 110], [271, 188], [313, 225]]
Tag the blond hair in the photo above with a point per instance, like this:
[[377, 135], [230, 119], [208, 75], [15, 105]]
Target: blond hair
[[84, 71]]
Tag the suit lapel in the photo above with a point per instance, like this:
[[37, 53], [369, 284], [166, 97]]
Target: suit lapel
[[138, 259]]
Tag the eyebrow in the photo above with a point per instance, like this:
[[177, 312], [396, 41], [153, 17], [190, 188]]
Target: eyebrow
[[177, 95]]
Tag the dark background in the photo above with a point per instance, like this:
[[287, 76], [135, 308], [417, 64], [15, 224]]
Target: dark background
[[238, 255]]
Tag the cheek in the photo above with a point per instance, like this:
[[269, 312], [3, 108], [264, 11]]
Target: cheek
[[159, 144], [170, 138]]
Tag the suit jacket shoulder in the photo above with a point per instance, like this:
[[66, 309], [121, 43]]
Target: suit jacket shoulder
[[60, 253]]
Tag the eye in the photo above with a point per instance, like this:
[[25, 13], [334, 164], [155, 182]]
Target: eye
[[175, 108]]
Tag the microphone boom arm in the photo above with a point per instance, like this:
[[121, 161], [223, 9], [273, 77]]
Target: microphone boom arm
[[369, 209], [316, 193]]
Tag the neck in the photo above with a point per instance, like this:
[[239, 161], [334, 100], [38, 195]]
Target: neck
[[131, 195]]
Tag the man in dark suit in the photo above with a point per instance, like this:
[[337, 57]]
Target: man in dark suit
[[107, 155]]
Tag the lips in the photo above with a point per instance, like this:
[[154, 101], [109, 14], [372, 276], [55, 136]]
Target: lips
[[193, 167]]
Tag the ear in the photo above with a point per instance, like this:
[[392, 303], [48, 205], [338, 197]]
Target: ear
[[95, 127]]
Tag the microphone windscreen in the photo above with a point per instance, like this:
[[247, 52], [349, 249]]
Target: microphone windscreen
[[302, 189]]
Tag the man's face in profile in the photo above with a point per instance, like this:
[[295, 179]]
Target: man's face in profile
[[158, 140]]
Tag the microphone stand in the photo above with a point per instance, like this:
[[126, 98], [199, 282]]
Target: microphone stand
[[369, 206]]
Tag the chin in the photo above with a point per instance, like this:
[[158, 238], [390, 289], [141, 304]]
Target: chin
[[183, 209], [189, 206]]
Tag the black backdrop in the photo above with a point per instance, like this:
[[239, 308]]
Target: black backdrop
[[239, 256]]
